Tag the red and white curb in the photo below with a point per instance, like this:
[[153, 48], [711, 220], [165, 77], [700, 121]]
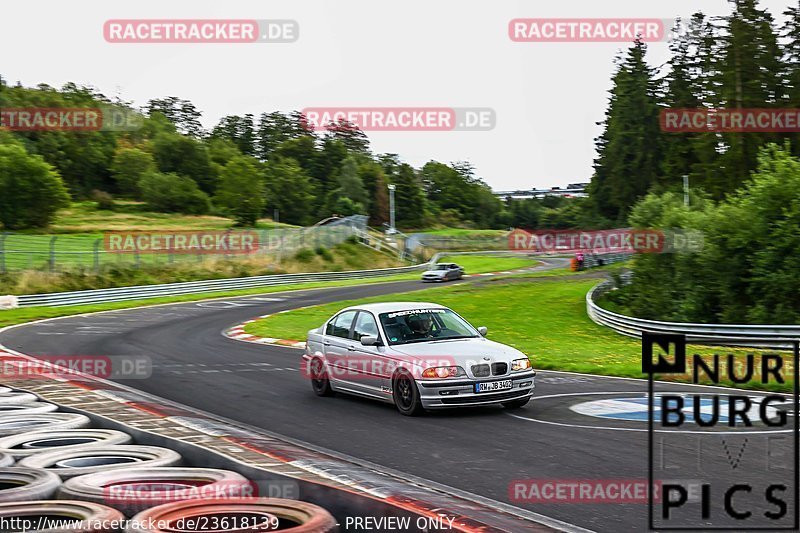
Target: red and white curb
[[238, 333]]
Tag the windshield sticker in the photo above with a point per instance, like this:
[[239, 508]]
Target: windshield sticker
[[415, 312]]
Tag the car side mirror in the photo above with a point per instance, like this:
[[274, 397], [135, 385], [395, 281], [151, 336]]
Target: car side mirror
[[483, 330], [370, 340]]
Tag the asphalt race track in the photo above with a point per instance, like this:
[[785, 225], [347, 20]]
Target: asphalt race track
[[578, 428]]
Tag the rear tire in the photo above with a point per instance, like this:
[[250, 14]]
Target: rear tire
[[406, 395], [320, 382], [516, 404]]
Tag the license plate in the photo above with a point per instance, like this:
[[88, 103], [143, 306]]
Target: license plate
[[493, 386]]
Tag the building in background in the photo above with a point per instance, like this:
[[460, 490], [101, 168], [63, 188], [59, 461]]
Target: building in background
[[573, 190]]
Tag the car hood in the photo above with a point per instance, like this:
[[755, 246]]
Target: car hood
[[460, 350], [435, 272]]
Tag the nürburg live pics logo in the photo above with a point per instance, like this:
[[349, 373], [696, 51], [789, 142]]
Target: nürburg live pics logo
[[723, 451]]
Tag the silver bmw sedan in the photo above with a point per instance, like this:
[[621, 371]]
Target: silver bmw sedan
[[417, 356]]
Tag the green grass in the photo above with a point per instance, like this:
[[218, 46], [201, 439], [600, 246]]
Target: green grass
[[342, 257], [128, 215], [77, 231], [27, 314], [476, 264], [19, 316], [546, 319]]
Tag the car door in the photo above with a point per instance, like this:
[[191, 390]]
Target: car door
[[452, 271], [374, 367], [336, 342]]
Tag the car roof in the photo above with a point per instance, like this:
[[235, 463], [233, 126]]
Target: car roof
[[389, 307]]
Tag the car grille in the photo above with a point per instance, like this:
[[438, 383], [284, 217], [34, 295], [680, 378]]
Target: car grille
[[478, 398], [480, 371], [498, 369], [484, 370]]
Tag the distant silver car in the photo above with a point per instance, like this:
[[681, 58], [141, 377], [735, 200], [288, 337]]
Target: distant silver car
[[443, 272], [416, 355]]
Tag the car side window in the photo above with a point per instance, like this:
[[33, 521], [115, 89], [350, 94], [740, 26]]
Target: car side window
[[365, 325], [340, 325]]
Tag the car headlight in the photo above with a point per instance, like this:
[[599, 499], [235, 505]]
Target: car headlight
[[520, 364], [442, 372]]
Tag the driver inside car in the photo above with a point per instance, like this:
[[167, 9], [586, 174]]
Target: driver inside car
[[421, 326]]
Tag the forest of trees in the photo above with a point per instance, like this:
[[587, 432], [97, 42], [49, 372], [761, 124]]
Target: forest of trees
[[738, 61], [246, 167], [745, 187]]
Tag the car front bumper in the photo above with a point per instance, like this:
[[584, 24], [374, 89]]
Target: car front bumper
[[433, 278], [441, 394]]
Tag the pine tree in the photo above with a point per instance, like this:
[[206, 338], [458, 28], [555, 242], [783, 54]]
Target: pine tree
[[791, 57], [629, 150], [751, 77], [410, 199]]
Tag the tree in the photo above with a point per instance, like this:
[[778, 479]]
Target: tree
[[629, 150], [680, 156], [350, 183], [239, 130], [31, 191], [791, 58], [241, 190], [185, 156], [455, 188], [290, 190], [128, 167], [746, 270], [182, 113], [374, 181], [750, 77], [409, 198], [173, 193], [302, 149], [347, 133], [276, 128]]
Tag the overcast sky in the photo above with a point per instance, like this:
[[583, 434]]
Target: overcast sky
[[416, 53]]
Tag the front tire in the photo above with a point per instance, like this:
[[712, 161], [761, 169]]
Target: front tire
[[516, 404], [320, 382], [406, 395]]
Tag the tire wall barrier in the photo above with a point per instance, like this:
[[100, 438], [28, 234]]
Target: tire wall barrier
[[339, 503]]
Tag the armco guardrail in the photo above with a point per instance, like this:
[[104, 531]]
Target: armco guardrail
[[761, 336], [192, 287]]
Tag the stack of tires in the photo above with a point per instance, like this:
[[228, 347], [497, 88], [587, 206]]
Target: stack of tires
[[59, 475]]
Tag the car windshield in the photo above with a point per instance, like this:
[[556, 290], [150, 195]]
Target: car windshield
[[441, 267], [423, 325]]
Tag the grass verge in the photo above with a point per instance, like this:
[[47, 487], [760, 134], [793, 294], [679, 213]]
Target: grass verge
[[27, 314], [477, 264], [545, 318]]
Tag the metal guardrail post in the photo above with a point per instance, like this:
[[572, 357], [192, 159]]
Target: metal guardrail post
[[52, 259], [96, 254], [3, 251]]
